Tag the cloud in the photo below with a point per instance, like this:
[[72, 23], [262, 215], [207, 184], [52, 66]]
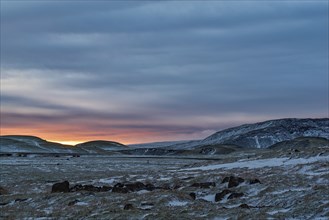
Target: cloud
[[161, 66]]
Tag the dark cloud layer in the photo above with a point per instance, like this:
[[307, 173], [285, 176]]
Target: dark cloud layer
[[174, 67]]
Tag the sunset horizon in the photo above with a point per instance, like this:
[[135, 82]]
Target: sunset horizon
[[147, 139], [137, 72], [170, 109]]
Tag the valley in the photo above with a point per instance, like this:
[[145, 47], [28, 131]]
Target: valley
[[181, 180]]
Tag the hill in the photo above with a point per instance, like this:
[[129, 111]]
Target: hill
[[101, 146], [264, 134]]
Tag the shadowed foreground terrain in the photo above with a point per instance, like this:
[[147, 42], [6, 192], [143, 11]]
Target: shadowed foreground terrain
[[275, 183], [276, 169]]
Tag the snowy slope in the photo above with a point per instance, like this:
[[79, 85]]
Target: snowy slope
[[156, 144], [265, 134], [258, 135], [31, 144], [170, 145], [101, 146]]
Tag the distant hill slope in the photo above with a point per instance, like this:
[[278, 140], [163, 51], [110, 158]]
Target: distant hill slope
[[32, 144], [302, 142], [101, 146], [265, 134], [275, 133], [156, 144]]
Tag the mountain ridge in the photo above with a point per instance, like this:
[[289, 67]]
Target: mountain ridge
[[266, 133], [255, 135]]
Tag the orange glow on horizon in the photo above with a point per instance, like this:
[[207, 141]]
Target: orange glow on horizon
[[72, 143], [67, 138]]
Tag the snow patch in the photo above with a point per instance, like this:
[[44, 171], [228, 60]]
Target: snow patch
[[209, 198], [270, 162], [177, 203], [278, 211], [82, 203], [107, 181]]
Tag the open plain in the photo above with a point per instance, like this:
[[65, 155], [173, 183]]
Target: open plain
[[252, 183]]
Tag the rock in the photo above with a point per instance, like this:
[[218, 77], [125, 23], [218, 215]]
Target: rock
[[165, 186], [177, 186], [120, 190], [21, 200], [132, 187], [119, 185], [150, 187], [233, 181], [3, 191], [244, 206], [76, 188], [226, 179], [193, 195], [73, 202], [128, 207], [204, 185], [106, 188], [147, 204], [254, 181], [61, 187], [89, 188], [137, 186], [221, 195], [235, 195]]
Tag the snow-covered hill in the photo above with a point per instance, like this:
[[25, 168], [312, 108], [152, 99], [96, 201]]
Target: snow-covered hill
[[265, 134], [258, 135], [32, 144], [101, 146], [157, 144]]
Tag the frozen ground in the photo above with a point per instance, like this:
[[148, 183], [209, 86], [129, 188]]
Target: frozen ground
[[293, 185]]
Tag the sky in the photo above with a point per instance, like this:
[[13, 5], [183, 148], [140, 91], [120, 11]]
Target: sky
[[144, 71]]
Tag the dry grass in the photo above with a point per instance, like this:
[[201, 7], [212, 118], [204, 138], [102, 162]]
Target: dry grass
[[296, 191]]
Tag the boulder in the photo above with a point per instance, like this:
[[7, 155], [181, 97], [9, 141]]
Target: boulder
[[128, 207], [233, 181], [177, 186], [235, 195], [226, 179], [137, 186], [61, 187], [120, 190], [73, 202], [221, 195], [254, 181], [90, 188], [132, 187], [150, 187], [119, 185], [193, 195], [106, 188], [244, 206], [21, 200], [204, 185]]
